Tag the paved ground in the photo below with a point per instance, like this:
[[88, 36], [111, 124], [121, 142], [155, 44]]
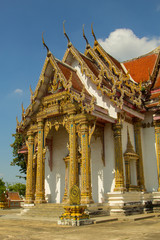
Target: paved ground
[[147, 229]]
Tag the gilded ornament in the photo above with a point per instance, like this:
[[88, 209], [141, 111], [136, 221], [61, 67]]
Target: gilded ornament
[[74, 195]]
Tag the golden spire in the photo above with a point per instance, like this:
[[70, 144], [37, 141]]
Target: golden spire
[[129, 144], [48, 52], [23, 108], [31, 90], [87, 43], [95, 42], [17, 121], [69, 42]]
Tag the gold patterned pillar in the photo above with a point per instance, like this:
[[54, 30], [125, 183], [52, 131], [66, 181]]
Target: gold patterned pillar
[[157, 138], [73, 164], [65, 197], [34, 174], [40, 193], [127, 167], [119, 173], [29, 180], [86, 191], [138, 145]]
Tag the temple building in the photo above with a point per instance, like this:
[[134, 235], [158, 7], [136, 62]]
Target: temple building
[[94, 122]]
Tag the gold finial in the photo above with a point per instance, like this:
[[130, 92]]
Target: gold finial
[[31, 90], [48, 52], [87, 43], [69, 42], [95, 42], [23, 108], [17, 121]]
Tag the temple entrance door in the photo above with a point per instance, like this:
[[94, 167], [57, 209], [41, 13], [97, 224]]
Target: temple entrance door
[[55, 177]]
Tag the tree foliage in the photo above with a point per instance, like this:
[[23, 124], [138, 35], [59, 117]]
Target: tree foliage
[[18, 158], [17, 187], [2, 188]]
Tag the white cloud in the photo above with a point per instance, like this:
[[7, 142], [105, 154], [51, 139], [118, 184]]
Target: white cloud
[[123, 44], [18, 91], [158, 8]]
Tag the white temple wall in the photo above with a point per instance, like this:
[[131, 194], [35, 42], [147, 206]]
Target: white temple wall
[[55, 180], [149, 156], [101, 100], [109, 158], [102, 176]]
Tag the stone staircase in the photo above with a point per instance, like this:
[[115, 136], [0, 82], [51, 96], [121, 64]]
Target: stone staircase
[[54, 210], [49, 210]]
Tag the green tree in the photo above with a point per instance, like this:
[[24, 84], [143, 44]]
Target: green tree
[[17, 187], [2, 188], [19, 159]]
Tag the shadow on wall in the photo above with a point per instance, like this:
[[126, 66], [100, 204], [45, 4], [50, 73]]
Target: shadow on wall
[[102, 176], [55, 180]]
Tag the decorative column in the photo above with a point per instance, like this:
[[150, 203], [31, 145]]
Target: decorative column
[[138, 145], [29, 181], [65, 197], [86, 192], [119, 173], [127, 167], [40, 193], [73, 165], [34, 174], [157, 138]]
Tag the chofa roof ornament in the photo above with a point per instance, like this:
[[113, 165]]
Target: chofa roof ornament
[[95, 42], [87, 43], [69, 42], [48, 52]]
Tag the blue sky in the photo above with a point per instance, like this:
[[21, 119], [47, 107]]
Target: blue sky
[[125, 28]]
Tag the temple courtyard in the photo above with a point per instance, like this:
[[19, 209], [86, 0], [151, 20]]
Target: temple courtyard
[[126, 228]]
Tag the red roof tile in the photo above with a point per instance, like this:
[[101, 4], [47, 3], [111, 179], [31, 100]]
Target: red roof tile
[[76, 83], [139, 68], [14, 196], [91, 65], [157, 83], [24, 149]]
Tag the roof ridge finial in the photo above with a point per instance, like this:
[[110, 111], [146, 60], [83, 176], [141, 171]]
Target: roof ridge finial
[[23, 110], [45, 44], [87, 43], [69, 42], [95, 42]]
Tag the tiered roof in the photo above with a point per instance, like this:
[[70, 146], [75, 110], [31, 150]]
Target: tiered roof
[[146, 69], [122, 87]]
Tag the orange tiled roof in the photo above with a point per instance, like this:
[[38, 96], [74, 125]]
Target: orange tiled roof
[[76, 83], [155, 95], [157, 83], [140, 68], [24, 149], [14, 196], [91, 65]]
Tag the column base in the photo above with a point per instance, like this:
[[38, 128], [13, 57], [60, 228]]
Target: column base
[[29, 199], [119, 189], [86, 200], [156, 201], [40, 201], [125, 203], [65, 200]]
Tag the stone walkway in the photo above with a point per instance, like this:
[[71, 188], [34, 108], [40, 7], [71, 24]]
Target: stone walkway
[[15, 227]]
